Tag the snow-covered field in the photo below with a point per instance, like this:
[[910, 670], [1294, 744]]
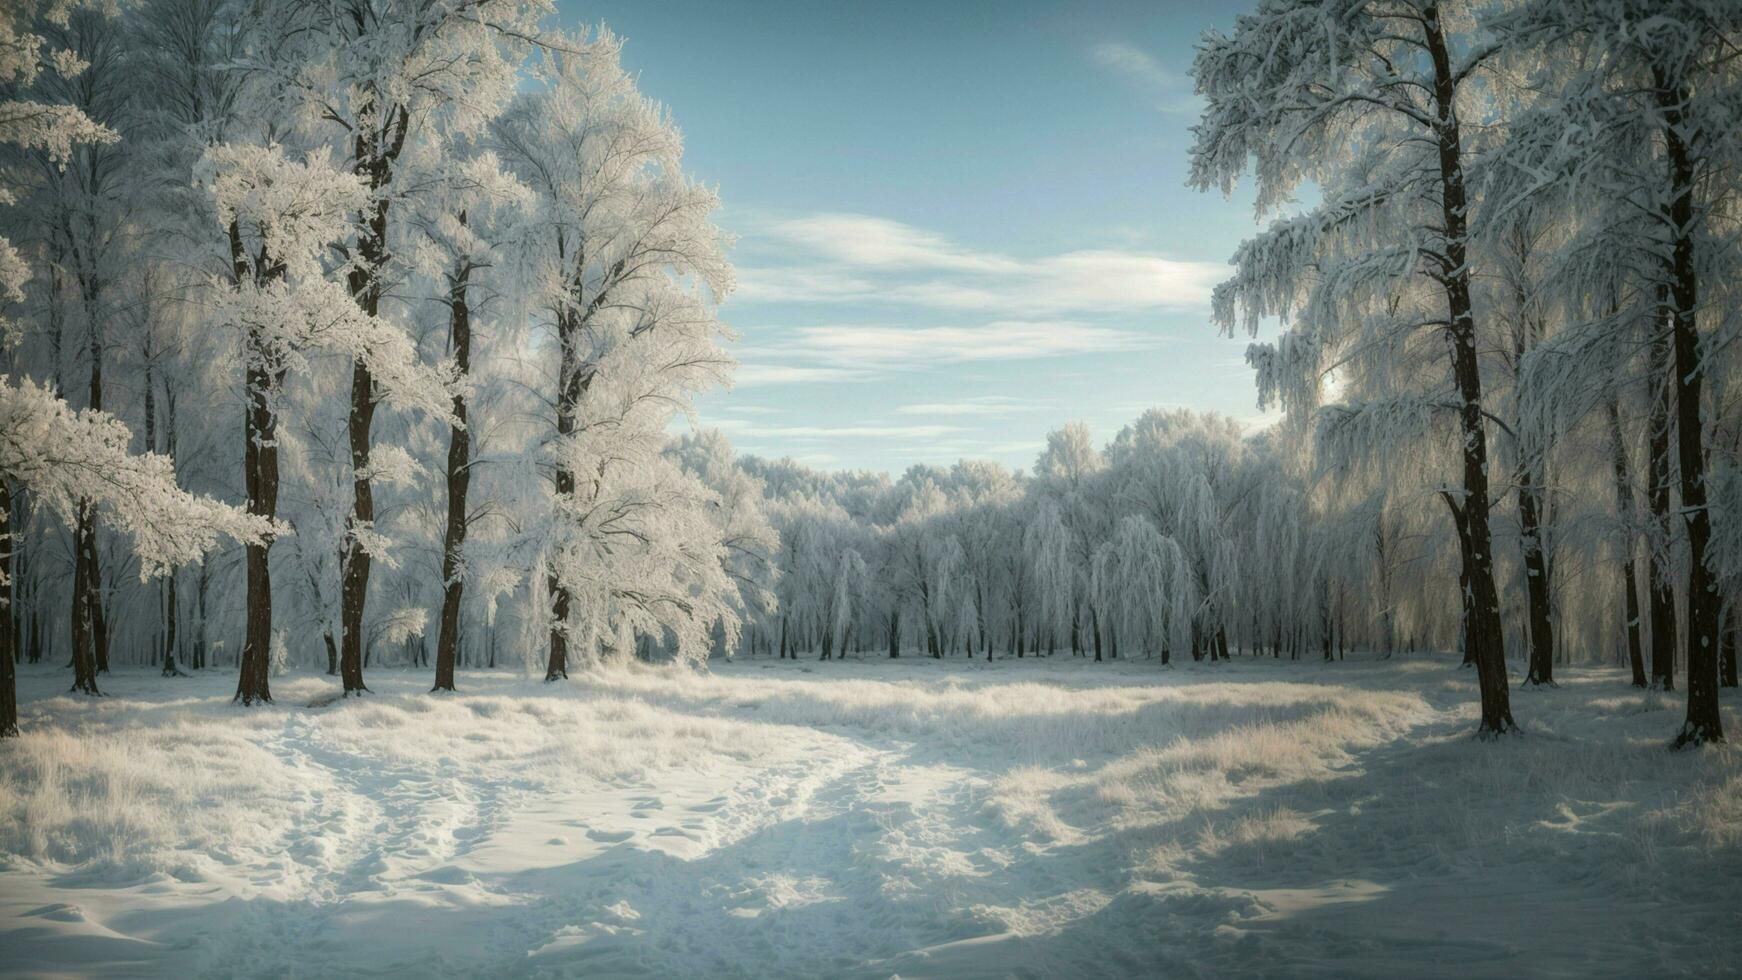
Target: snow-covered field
[[912, 818]]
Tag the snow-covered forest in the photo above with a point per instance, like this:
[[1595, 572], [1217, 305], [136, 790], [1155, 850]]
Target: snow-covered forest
[[353, 347]]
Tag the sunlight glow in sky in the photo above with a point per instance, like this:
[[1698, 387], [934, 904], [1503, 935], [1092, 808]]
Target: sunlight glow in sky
[[959, 225]]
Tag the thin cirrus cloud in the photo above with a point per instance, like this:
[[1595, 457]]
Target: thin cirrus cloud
[[750, 429], [997, 341], [831, 258], [856, 352], [984, 405], [1169, 91], [751, 374]]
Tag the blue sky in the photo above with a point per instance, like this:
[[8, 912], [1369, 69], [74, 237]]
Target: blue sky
[[960, 225]]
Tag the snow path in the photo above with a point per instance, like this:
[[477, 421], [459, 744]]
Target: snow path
[[1051, 818]]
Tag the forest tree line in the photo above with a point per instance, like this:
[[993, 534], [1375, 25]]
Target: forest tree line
[[420, 289]]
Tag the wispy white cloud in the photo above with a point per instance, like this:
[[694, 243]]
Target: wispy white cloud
[[1170, 91], [807, 283], [985, 405], [830, 258], [868, 346], [750, 374], [749, 429], [862, 240]]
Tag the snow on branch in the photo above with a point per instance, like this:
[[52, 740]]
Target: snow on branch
[[67, 458]]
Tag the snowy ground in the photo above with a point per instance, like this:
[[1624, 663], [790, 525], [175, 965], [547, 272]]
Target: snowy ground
[[915, 818]]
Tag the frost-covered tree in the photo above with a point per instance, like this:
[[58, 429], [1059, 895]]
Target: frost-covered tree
[[623, 268], [280, 216], [746, 534], [374, 77], [1367, 99], [1071, 471], [1648, 122], [73, 461]]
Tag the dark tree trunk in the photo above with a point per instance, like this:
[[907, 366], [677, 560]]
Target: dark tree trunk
[[354, 559], [1486, 639], [1704, 723], [1326, 640], [84, 564], [1727, 651], [200, 586], [170, 623], [171, 601], [260, 479], [1536, 571], [1659, 592], [88, 588], [260, 469], [23, 595], [573, 379], [1531, 479], [1095, 625], [1624, 511], [376, 148], [557, 666], [8, 602], [459, 480]]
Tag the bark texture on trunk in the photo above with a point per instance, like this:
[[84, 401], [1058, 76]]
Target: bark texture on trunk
[[260, 479], [572, 381], [1624, 511], [376, 149], [1704, 723], [459, 476], [1483, 630], [260, 467], [1660, 594], [8, 602], [82, 628]]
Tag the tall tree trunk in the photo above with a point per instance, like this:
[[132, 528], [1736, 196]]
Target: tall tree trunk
[[1487, 640], [1095, 625], [170, 623], [171, 602], [1536, 571], [260, 467], [260, 482], [1624, 511], [200, 587], [1727, 649], [88, 590], [1531, 477], [354, 559], [1704, 722], [459, 480], [376, 148], [1659, 592], [8, 603], [84, 564], [572, 381]]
